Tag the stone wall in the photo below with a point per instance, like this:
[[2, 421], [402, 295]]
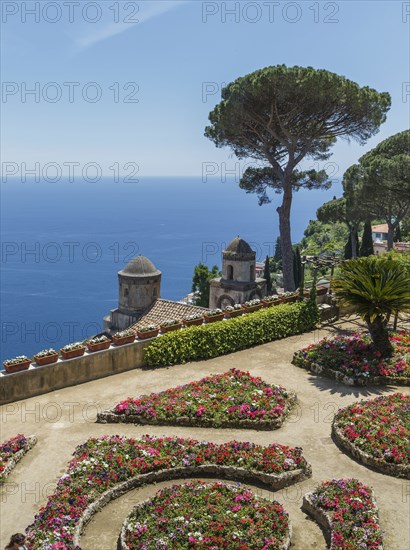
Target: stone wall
[[70, 372]]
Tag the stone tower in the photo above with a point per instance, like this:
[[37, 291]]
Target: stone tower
[[139, 285], [238, 282]]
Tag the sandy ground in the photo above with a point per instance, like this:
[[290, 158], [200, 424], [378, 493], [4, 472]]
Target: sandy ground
[[63, 419]]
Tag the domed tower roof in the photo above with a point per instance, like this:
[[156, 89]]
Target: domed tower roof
[[239, 249], [140, 266]]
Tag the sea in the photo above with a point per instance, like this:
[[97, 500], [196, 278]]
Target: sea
[[63, 243]]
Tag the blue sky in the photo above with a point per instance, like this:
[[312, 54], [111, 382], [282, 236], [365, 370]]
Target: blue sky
[[168, 55]]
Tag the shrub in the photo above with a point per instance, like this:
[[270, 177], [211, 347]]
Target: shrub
[[207, 341]]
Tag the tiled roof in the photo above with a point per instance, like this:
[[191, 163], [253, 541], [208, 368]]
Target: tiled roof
[[382, 228], [161, 310]]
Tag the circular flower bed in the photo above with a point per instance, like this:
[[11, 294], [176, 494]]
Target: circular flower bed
[[104, 468], [206, 516], [347, 510], [13, 450], [354, 361], [377, 432], [233, 399]]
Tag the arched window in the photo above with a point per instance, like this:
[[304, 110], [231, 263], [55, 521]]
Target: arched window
[[230, 272], [154, 292], [125, 292], [252, 272]]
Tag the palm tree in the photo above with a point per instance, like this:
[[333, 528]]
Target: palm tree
[[378, 287]]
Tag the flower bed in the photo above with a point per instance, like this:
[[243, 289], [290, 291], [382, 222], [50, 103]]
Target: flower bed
[[206, 516], [104, 468], [347, 510], [234, 399], [354, 361], [377, 433], [13, 450]]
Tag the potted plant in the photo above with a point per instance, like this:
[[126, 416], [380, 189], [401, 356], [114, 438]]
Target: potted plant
[[170, 324], [252, 305], [193, 319], [124, 337], [272, 300], [213, 315], [287, 297], [76, 349], [21, 362], [98, 343], [148, 331], [46, 357], [321, 290], [233, 311]]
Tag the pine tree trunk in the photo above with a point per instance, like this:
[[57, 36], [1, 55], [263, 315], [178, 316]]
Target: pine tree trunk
[[380, 336], [390, 236], [353, 242], [286, 239]]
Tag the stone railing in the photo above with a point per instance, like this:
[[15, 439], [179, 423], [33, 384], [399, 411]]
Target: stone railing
[[70, 372]]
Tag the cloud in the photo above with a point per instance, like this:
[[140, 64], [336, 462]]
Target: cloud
[[146, 10]]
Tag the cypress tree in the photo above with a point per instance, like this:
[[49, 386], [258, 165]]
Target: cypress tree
[[366, 248], [297, 266], [266, 275], [348, 249]]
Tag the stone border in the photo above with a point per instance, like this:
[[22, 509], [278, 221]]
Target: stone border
[[123, 546], [324, 519], [110, 416], [396, 470], [316, 368], [232, 473], [13, 460]]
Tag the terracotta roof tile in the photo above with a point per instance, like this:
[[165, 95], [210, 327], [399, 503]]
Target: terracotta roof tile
[[381, 228], [161, 310]]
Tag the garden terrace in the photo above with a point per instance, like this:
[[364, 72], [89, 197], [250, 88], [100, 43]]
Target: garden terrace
[[65, 418]]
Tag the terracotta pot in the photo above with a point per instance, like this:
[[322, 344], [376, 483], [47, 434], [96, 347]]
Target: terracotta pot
[[147, 334], [72, 353], [191, 322], [236, 313], [321, 290], [170, 328], [269, 303], [249, 309], [120, 341], [24, 365], [98, 347], [46, 360], [213, 318]]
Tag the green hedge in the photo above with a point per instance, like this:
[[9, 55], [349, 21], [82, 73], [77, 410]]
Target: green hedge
[[221, 337]]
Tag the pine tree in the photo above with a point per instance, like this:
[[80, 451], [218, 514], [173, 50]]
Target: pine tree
[[266, 275], [366, 248], [348, 247]]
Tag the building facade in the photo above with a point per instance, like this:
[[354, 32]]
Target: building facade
[[239, 282]]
